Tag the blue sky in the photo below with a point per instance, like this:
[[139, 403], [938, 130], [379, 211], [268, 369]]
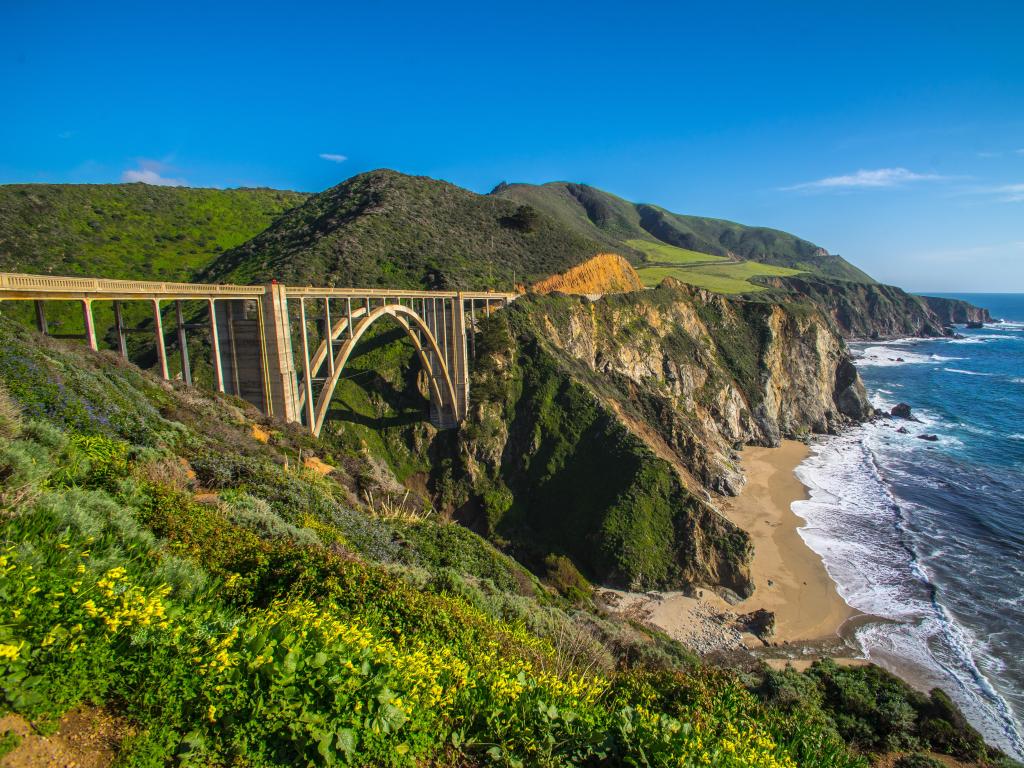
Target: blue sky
[[891, 133]]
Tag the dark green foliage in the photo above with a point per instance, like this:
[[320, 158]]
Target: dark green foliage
[[562, 575], [877, 712], [387, 229], [612, 221]]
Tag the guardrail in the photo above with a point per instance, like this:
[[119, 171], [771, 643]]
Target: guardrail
[[311, 292], [47, 286]]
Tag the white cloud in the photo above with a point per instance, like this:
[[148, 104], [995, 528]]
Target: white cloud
[[332, 157], [863, 179], [150, 172], [1010, 193]]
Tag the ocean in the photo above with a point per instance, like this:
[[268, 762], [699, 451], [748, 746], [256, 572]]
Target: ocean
[[927, 538]]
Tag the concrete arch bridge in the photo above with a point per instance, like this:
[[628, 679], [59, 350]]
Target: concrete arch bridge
[[284, 348]]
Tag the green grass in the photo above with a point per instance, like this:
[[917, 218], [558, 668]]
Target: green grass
[[721, 278], [663, 253], [130, 231]]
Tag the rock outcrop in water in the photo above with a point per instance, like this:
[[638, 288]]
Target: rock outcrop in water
[[600, 427]]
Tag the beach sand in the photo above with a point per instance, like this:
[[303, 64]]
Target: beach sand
[[789, 578]]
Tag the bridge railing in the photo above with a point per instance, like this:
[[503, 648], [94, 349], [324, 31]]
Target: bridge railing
[[59, 287]]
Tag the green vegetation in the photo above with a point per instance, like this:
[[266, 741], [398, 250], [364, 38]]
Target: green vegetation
[[130, 231], [720, 278], [879, 714], [388, 229], [628, 228], [664, 254]]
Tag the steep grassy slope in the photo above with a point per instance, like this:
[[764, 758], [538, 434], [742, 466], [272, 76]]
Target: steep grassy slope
[[387, 229], [134, 231], [158, 560], [618, 224]]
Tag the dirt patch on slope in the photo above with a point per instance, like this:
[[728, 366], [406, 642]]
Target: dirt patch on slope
[[604, 273], [87, 737]]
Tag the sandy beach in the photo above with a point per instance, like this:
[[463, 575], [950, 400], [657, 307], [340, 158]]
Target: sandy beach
[[789, 578]]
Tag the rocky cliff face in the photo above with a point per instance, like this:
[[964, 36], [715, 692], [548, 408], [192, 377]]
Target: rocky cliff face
[[876, 311], [600, 427], [951, 311]]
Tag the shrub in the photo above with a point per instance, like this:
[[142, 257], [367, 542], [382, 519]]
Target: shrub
[[561, 574]]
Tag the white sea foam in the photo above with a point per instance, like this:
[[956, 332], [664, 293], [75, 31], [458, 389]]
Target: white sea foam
[[981, 338], [855, 523], [1016, 436], [882, 356], [967, 373]]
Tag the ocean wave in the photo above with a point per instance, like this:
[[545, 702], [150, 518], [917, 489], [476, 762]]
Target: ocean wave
[[858, 527], [967, 373], [981, 338], [1016, 436], [881, 356]]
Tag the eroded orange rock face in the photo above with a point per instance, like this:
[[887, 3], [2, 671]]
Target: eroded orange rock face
[[604, 273]]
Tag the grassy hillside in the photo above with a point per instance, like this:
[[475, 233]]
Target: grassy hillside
[[387, 229], [133, 231], [231, 608], [681, 246]]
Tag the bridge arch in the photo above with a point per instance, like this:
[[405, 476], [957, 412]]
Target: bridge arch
[[414, 326]]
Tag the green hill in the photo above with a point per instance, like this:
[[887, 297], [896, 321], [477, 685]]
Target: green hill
[[128, 230], [388, 229], [701, 251]]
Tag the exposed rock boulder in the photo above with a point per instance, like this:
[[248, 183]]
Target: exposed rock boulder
[[760, 623], [929, 438], [901, 411]]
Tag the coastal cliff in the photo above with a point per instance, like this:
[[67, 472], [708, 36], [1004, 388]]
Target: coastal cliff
[[877, 311], [599, 427]]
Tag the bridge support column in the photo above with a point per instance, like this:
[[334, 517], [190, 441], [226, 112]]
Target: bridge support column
[[41, 318], [186, 368], [90, 326], [283, 395], [122, 344], [460, 358], [161, 348], [218, 369]]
